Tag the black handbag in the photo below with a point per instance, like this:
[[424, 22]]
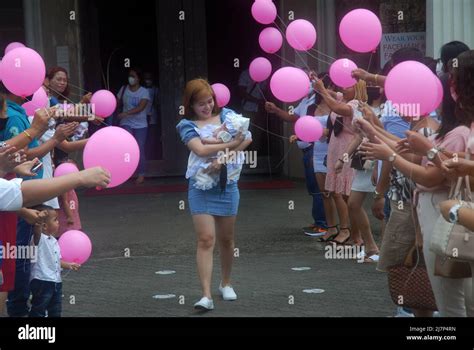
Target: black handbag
[[357, 162]]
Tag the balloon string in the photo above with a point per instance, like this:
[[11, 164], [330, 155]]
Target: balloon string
[[283, 59], [285, 156], [370, 61], [78, 87], [261, 92], [60, 94], [268, 148], [72, 102], [322, 53], [269, 132], [296, 51], [312, 49]]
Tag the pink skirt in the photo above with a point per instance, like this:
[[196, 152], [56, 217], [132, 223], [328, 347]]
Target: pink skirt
[[339, 183]]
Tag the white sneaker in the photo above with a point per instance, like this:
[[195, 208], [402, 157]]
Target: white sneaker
[[227, 293], [402, 313], [204, 304]]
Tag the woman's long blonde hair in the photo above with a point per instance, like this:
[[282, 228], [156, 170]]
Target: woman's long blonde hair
[[360, 90]]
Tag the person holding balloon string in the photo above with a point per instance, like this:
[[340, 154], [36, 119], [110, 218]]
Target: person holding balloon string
[[45, 279], [18, 124], [339, 184], [56, 85], [307, 106], [431, 181], [362, 182], [214, 211], [402, 225]]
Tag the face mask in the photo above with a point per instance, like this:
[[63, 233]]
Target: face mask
[[3, 123], [132, 81]]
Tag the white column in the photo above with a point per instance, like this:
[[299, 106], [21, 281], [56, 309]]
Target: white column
[[447, 21]]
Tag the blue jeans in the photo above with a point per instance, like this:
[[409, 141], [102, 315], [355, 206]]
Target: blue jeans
[[17, 304], [47, 296], [319, 216], [387, 209], [139, 135]]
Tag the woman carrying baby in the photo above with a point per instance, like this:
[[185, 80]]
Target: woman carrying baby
[[213, 192]]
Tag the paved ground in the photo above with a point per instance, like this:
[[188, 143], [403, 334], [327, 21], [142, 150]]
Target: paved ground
[[159, 237]]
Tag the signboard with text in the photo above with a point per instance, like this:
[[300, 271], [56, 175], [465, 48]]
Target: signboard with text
[[392, 42]]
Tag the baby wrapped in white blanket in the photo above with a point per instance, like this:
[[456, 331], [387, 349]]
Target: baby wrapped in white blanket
[[214, 134]]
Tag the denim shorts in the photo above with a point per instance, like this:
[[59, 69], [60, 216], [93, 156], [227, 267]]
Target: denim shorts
[[214, 201]]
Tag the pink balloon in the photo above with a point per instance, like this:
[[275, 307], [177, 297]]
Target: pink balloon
[[301, 35], [40, 98], [30, 108], [13, 46], [75, 247], [361, 30], [264, 12], [222, 94], [341, 73], [103, 103], [289, 84], [412, 88], [114, 149], [23, 71], [270, 40], [260, 69], [65, 169], [308, 129]]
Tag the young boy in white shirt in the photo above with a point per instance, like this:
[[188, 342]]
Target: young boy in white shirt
[[45, 279]]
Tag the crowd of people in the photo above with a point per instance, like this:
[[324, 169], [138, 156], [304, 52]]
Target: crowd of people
[[36, 208], [407, 165]]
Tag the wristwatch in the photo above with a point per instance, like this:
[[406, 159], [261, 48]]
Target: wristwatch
[[431, 154], [453, 213], [392, 158]]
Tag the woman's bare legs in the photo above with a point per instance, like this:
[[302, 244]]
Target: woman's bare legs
[[204, 226], [329, 207], [225, 227], [360, 219], [343, 212]]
